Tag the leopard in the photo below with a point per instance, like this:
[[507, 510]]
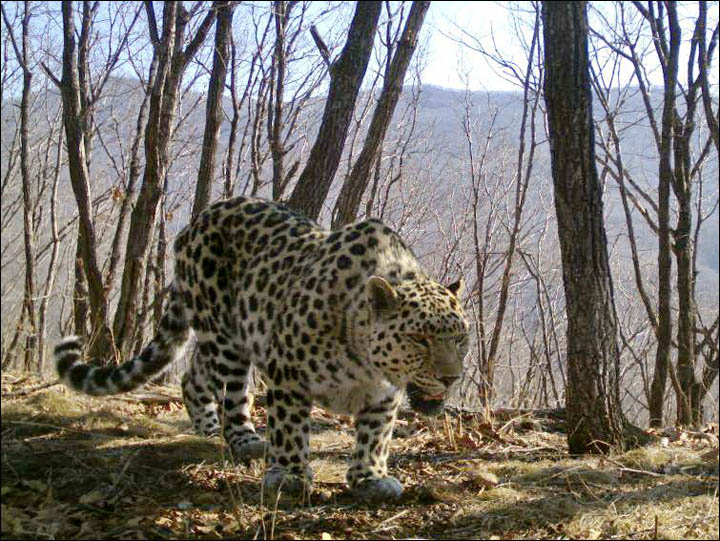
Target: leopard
[[346, 319]]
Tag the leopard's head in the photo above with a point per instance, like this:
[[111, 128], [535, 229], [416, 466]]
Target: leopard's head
[[419, 337]]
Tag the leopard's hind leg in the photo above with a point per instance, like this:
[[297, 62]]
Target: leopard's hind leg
[[200, 399], [228, 375]]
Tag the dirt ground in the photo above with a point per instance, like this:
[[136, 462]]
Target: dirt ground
[[128, 467]]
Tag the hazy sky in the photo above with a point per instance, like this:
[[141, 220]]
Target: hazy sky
[[490, 20], [447, 59], [446, 62]]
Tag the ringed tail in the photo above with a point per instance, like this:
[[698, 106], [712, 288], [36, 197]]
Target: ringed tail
[[167, 345]]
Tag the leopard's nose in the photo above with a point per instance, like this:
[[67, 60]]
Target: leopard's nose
[[449, 380]]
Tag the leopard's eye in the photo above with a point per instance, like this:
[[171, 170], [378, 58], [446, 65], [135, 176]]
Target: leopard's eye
[[419, 340]]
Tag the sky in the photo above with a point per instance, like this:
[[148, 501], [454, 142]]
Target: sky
[[447, 62], [493, 20], [448, 59]]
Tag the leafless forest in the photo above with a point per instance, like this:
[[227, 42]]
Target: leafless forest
[[122, 120]]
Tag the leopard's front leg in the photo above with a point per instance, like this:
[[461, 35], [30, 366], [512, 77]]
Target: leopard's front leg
[[367, 474]]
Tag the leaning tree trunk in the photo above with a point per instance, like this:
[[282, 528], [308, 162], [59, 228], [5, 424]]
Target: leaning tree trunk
[[348, 202], [346, 75], [594, 416]]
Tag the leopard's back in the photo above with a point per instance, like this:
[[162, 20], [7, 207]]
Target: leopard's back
[[235, 264]]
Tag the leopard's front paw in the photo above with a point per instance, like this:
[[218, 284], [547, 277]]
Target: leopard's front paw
[[377, 490], [292, 484]]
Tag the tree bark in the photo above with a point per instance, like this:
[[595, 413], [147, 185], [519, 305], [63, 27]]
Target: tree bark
[[171, 63], [688, 406], [281, 15], [348, 202], [134, 171], [346, 76], [29, 237], [594, 416], [52, 266], [214, 110], [28, 234], [664, 334], [100, 339]]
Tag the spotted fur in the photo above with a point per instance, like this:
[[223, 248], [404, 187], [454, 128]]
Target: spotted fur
[[346, 319]]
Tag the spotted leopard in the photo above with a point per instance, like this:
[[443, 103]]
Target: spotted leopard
[[347, 319]]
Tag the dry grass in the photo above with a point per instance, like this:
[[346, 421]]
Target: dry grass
[[127, 467]]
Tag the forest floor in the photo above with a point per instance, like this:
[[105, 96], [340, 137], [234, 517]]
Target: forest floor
[[129, 467]]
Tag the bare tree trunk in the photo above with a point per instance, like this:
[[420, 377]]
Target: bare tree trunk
[[29, 238], [594, 415], [490, 342], [159, 275], [133, 176], [709, 349], [52, 266], [664, 335], [348, 202], [346, 75], [674, 139], [688, 407], [521, 186], [100, 340], [214, 110], [80, 292], [251, 129], [281, 15], [171, 63], [229, 178], [28, 233]]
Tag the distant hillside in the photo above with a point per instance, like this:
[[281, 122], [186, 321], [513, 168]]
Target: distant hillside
[[440, 154]]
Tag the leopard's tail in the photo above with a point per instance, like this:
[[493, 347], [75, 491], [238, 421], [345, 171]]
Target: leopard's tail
[[167, 345]]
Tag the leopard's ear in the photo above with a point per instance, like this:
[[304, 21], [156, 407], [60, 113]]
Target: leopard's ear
[[382, 296], [457, 288]]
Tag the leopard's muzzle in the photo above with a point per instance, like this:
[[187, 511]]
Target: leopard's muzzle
[[428, 404]]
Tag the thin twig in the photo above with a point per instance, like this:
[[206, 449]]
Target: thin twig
[[32, 389], [633, 470]]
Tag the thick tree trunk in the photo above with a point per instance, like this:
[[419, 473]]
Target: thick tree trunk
[[594, 416], [346, 75], [348, 202], [688, 407]]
